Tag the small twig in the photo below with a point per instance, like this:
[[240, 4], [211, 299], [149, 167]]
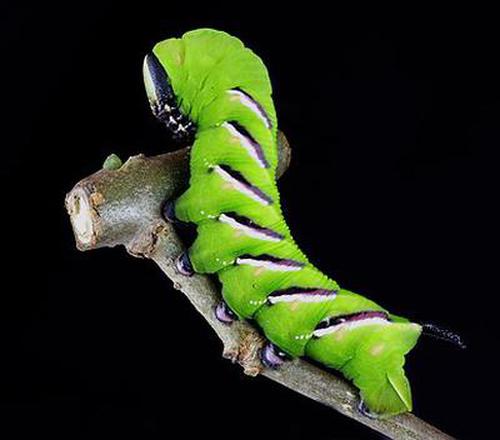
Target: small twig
[[121, 205]]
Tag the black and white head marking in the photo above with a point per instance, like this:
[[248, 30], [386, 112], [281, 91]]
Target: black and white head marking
[[163, 102], [301, 294]]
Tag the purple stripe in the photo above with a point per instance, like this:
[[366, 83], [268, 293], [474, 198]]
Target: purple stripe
[[314, 291], [245, 221], [271, 259], [359, 316], [259, 107], [236, 175], [255, 145]]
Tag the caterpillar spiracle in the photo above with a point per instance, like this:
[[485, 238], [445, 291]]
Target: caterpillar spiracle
[[212, 91]]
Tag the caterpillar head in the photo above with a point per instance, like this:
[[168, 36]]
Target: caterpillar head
[[163, 102]]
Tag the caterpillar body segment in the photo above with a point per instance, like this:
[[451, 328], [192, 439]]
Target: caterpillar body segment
[[223, 93]]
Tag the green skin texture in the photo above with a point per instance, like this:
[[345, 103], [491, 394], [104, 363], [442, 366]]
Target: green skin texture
[[202, 67]]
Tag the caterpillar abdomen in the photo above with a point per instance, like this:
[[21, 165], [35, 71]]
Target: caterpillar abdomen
[[222, 90]]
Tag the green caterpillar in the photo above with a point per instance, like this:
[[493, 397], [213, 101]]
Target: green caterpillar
[[212, 91]]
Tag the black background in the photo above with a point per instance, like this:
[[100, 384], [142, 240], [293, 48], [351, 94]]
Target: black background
[[393, 118]]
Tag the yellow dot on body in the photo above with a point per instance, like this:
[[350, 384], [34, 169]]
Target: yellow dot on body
[[339, 335], [377, 349]]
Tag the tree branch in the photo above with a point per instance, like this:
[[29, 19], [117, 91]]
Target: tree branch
[[121, 205]]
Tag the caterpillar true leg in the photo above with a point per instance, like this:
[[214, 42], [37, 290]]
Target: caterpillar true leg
[[363, 409], [183, 265], [272, 357], [224, 314], [207, 87], [168, 212]]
